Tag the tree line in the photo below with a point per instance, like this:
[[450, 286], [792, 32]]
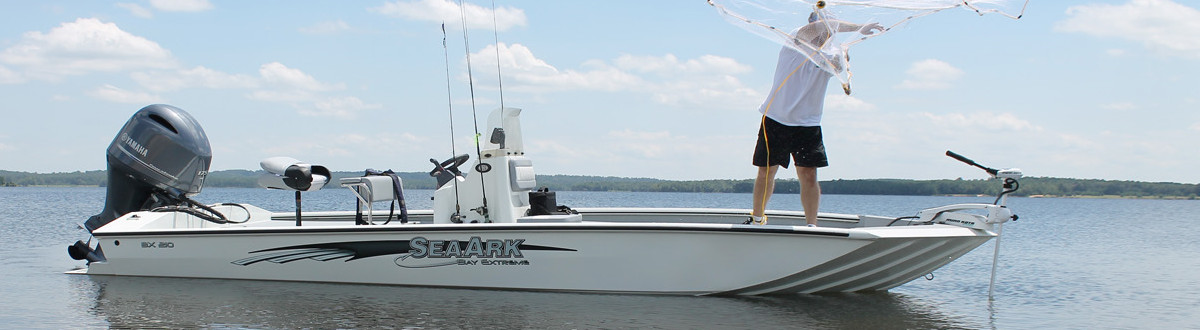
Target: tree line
[[1032, 186], [17, 179]]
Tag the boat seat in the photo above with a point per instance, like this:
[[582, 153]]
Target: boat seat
[[373, 188], [520, 173]]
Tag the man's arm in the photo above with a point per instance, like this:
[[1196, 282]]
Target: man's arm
[[819, 30], [865, 29]]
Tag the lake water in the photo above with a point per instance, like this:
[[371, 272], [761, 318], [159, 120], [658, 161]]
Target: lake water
[[1067, 263]]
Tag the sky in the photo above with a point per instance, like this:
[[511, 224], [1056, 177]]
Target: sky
[[658, 89]]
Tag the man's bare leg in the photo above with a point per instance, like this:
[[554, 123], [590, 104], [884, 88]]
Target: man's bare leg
[[764, 185], [810, 192]]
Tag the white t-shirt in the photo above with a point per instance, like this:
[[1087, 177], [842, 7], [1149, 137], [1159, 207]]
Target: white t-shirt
[[801, 99]]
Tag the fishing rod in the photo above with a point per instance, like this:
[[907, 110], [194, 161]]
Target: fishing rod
[[450, 108], [496, 35], [483, 210]]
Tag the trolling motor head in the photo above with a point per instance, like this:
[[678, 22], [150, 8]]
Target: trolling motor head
[[1009, 173]]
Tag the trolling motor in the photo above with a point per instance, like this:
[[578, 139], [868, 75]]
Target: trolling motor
[[287, 173], [997, 212]]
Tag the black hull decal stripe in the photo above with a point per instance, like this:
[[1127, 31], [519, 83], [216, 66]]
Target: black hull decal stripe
[[372, 230]]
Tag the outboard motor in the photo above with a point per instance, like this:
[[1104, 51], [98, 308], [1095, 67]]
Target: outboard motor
[[159, 158]]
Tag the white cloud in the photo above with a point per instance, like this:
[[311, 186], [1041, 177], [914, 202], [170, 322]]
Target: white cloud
[[332, 149], [136, 9], [282, 96], [612, 152], [858, 139], [278, 73], [930, 74], [276, 83], [114, 94], [707, 80], [402, 139], [83, 46], [339, 107], [181, 5], [643, 144], [1195, 127], [525, 72], [163, 81], [841, 101], [517, 58], [986, 121], [3, 146], [329, 27], [717, 92], [9, 76], [1120, 106], [671, 65], [451, 14], [1160, 25], [166, 5]]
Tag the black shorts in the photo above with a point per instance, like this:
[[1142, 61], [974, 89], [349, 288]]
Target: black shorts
[[802, 143]]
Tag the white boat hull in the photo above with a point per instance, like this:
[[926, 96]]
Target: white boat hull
[[490, 229], [625, 257]]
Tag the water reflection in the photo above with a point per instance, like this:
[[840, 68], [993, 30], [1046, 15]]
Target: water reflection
[[137, 302]]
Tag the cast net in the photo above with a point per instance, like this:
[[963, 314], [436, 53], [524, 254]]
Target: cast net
[[825, 30]]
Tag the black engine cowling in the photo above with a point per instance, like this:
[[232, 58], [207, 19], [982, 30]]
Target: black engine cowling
[[160, 157]]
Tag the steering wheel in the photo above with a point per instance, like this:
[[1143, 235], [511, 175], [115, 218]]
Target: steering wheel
[[450, 165]]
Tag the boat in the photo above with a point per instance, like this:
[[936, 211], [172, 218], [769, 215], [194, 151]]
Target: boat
[[490, 227]]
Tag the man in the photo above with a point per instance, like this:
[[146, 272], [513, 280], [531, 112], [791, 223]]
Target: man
[[791, 122]]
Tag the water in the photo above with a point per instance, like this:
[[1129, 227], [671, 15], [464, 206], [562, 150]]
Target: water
[[1067, 263]]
